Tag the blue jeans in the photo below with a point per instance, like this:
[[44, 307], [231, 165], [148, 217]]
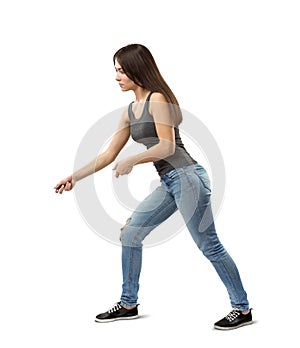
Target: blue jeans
[[188, 190]]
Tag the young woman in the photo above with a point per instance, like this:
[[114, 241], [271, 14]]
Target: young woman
[[153, 120]]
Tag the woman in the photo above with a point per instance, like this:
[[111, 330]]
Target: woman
[[153, 120]]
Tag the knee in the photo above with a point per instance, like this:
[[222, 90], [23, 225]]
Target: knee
[[212, 249], [213, 252], [130, 235]]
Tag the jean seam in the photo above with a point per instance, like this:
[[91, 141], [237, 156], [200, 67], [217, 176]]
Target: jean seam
[[132, 246], [130, 272], [149, 219], [228, 274], [196, 200], [202, 181]]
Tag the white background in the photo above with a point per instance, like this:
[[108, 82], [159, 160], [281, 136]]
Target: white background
[[234, 64]]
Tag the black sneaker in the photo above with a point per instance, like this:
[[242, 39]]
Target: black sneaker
[[234, 320], [117, 312]]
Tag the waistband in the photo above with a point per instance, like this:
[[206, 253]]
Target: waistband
[[182, 170]]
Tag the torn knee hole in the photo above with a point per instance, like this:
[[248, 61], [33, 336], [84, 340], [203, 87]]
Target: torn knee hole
[[123, 227], [126, 223]]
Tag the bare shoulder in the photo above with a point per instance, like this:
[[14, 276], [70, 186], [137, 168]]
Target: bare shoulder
[[125, 117], [159, 109], [158, 102], [158, 97]]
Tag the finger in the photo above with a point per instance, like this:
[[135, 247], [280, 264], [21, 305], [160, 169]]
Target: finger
[[57, 185], [61, 190], [117, 174], [115, 166], [68, 186]]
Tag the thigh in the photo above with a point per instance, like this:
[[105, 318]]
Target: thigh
[[192, 194], [150, 213], [154, 209]]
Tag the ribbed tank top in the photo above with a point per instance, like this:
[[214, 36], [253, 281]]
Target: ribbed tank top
[[143, 131]]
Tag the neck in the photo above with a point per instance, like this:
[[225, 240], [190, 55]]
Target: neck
[[141, 94]]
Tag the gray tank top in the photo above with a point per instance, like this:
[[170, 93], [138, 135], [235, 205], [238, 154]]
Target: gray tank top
[[143, 131]]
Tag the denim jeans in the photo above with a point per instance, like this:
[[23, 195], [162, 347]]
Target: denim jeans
[[188, 190]]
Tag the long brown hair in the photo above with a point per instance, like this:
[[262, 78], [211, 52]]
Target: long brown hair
[[139, 65]]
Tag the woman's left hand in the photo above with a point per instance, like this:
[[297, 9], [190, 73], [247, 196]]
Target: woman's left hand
[[123, 167]]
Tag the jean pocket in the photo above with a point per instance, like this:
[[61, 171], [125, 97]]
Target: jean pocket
[[203, 176], [206, 183]]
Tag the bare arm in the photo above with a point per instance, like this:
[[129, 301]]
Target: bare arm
[[165, 130], [108, 156], [104, 159]]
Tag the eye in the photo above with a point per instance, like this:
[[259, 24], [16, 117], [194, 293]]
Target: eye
[[120, 70]]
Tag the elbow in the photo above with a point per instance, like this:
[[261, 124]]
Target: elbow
[[168, 148], [172, 149]]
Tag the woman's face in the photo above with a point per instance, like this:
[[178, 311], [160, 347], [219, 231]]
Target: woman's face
[[124, 82]]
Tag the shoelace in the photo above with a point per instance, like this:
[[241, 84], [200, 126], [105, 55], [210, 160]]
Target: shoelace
[[115, 308], [233, 315]]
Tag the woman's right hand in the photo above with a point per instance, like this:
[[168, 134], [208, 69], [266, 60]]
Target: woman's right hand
[[65, 185]]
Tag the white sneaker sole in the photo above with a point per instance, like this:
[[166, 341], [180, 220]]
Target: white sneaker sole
[[115, 319], [234, 327]]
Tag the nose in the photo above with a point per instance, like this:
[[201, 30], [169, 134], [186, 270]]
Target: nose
[[118, 77]]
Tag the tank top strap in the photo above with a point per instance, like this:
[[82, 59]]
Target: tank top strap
[[130, 112], [149, 96]]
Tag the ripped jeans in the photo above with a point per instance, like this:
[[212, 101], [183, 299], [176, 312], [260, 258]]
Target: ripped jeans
[[188, 190]]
